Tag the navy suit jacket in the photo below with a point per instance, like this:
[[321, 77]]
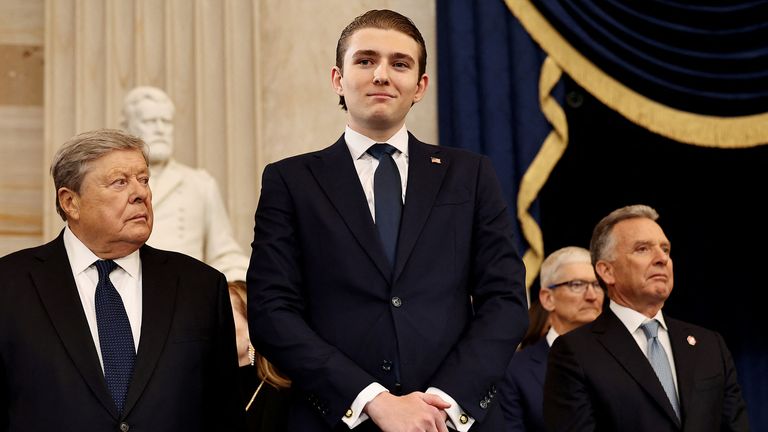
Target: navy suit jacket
[[599, 379], [522, 393], [50, 375], [327, 308]]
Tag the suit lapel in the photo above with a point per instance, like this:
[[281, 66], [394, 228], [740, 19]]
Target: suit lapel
[[335, 172], [613, 335], [685, 360], [58, 292], [426, 170], [171, 179], [159, 286]]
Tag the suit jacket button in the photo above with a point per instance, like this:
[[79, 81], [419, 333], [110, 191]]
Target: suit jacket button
[[386, 365], [124, 427], [483, 404], [396, 302]]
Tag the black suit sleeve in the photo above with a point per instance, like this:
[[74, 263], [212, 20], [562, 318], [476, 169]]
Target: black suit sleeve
[[277, 309], [567, 405], [511, 402], [474, 368], [226, 411]]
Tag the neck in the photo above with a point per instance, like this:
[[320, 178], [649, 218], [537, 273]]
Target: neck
[[377, 134], [103, 250], [649, 310]]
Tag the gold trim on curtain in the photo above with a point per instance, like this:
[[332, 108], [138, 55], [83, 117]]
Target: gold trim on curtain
[[538, 172], [682, 126]]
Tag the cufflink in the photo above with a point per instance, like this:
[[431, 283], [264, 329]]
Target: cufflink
[[349, 413], [463, 419]]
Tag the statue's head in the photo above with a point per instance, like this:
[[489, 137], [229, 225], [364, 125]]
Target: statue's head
[[148, 114]]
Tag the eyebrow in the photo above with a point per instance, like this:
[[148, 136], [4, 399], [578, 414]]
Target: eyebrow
[[374, 53]]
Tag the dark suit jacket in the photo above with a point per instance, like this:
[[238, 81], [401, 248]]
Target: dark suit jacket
[[522, 393], [326, 307], [599, 379], [50, 376]]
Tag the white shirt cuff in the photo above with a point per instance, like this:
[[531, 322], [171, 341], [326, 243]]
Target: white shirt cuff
[[457, 418], [355, 415]]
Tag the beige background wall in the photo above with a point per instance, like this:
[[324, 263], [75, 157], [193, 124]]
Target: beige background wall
[[250, 78]]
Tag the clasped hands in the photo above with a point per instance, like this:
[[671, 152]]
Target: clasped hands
[[414, 412]]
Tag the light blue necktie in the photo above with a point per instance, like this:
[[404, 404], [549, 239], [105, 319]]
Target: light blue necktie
[[115, 336], [660, 363], [387, 198]]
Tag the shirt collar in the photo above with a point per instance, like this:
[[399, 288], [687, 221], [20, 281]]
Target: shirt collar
[[80, 257], [551, 336], [633, 319], [358, 143]]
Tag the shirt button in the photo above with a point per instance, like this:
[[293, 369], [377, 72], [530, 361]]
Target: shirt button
[[396, 302]]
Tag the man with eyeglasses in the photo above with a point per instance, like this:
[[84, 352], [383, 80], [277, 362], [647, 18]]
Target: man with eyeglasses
[[635, 368], [572, 296]]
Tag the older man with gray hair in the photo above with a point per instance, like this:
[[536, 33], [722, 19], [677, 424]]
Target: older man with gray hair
[[572, 296], [634, 368], [190, 216], [99, 332]]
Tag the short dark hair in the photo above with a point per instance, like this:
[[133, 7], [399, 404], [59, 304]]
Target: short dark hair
[[384, 19]]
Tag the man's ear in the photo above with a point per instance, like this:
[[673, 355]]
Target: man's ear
[[422, 88], [336, 81], [547, 299], [69, 201], [604, 269]]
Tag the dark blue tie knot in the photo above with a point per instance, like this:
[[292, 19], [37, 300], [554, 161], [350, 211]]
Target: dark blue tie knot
[[104, 267], [378, 150], [651, 329]]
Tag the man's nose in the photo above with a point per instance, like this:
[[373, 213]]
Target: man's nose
[[139, 192], [380, 75]]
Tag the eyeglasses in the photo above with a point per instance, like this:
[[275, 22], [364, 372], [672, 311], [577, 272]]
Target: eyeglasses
[[578, 286]]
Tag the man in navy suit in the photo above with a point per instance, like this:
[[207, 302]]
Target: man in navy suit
[[99, 332], [378, 328], [635, 368], [572, 297]]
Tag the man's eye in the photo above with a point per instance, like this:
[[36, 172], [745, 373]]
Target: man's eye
[[120, 182], [144, 180], [365, 62], [401, 65]]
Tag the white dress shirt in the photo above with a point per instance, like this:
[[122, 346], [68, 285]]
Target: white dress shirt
[[126, 278], [551, 336], [633, 319], [366, 165]]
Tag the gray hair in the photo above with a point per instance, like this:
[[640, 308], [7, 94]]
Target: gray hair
[[141, 93], [70, 164], [550, 268], [602, 244]]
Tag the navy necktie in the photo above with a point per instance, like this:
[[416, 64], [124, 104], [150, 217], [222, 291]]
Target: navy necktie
[[115, 335], [387, 197], [660, 363]]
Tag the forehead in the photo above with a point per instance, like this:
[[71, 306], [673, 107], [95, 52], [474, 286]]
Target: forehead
[[384, 42], [149, 108], [131, 161], [576, 270], [630, 231]]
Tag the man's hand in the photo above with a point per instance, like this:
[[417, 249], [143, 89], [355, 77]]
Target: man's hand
[[415, 412]]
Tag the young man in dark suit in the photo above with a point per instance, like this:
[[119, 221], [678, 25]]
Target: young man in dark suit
[[99, 332], [384, 280], [635, 368]]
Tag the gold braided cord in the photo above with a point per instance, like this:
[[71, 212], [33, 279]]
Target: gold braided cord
[[682, 126], [538, 172]]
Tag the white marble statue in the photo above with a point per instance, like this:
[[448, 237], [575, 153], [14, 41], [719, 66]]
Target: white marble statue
[[190, 216]]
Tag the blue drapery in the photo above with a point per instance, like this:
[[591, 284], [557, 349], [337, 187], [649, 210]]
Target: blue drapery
[[708, 60]]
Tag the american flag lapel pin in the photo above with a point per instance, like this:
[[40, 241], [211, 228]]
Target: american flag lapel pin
[[691, 340], [435, 160]]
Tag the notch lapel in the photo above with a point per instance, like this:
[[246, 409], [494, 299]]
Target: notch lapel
[[159, 286], [613, 335], [685, 360], [335, 172], [58, 292], [424, 180], [539, 353]]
